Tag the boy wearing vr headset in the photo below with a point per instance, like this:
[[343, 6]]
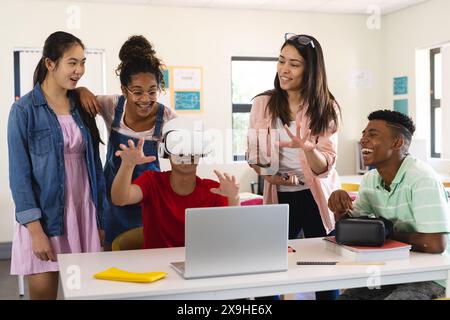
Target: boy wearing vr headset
[[401, 189], [164, 196]]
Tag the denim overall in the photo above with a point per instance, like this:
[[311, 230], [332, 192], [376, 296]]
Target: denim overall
[[121, 219]]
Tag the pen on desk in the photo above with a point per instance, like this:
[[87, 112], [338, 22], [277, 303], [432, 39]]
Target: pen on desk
[[339, 263]]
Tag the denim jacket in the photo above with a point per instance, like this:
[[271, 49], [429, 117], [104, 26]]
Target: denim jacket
[[36, 163]]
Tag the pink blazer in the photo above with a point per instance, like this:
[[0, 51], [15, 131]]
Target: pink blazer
[[322, 185]]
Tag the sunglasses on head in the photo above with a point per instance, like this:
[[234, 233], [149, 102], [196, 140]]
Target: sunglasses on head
[[301, 39]]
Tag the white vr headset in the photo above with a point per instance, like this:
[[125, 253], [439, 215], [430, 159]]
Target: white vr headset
[[183, 137]]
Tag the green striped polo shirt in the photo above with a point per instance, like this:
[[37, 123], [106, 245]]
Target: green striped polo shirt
[[417, 201]]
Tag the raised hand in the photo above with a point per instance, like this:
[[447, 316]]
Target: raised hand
[[297, 141], [228, 187], [133, 156]]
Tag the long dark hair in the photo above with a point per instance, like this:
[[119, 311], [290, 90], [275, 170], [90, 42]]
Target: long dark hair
[[314, 91], [138, 56], [54, 47]]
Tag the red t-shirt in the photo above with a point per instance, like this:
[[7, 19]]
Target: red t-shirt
[[163, 211]]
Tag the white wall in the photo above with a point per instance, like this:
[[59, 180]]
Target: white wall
[[199, 37], [422, 26]]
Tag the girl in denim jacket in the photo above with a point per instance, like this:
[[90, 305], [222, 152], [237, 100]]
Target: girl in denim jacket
[[55, 171]]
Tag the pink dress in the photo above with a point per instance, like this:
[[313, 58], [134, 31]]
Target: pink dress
[[80, 225]]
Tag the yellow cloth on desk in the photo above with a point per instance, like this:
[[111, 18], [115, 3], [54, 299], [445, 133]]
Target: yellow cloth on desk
[[115, 274]]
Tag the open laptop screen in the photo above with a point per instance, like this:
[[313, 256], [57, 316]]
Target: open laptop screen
[[236, 240]]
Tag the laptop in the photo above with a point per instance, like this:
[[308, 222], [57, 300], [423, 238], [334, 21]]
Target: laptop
[[224, 241]]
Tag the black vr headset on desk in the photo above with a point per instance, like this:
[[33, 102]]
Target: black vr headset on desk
[[364, 231]]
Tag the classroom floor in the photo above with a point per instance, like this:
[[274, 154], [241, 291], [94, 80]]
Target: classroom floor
[[9, 289]]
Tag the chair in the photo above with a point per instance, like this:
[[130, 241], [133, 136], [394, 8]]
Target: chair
[[132, 239]]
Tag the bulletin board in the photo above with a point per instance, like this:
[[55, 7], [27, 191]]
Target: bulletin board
[[401, 105], [400, 85], [401, 94], [184, 89]]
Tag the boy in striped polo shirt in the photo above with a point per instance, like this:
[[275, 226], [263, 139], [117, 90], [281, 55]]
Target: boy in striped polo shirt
[[405, 191]]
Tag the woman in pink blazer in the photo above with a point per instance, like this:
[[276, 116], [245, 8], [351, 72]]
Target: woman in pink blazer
[[302, 118]]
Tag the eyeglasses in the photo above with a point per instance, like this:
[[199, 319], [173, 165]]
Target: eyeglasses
[[303, 40], [139, 95]]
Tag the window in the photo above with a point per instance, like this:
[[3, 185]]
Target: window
[[249, 77], [436, 94]]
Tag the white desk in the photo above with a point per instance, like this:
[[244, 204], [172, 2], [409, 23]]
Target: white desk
[[420, 267]]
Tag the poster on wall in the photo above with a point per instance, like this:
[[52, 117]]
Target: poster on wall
[[187, 89], [401, 105], [187, 78], [400, 85], [187, 100], [165, 96], [166, 78], [183, 89]]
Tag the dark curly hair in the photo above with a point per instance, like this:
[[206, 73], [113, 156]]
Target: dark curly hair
[[401, 124], [138, 56]]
